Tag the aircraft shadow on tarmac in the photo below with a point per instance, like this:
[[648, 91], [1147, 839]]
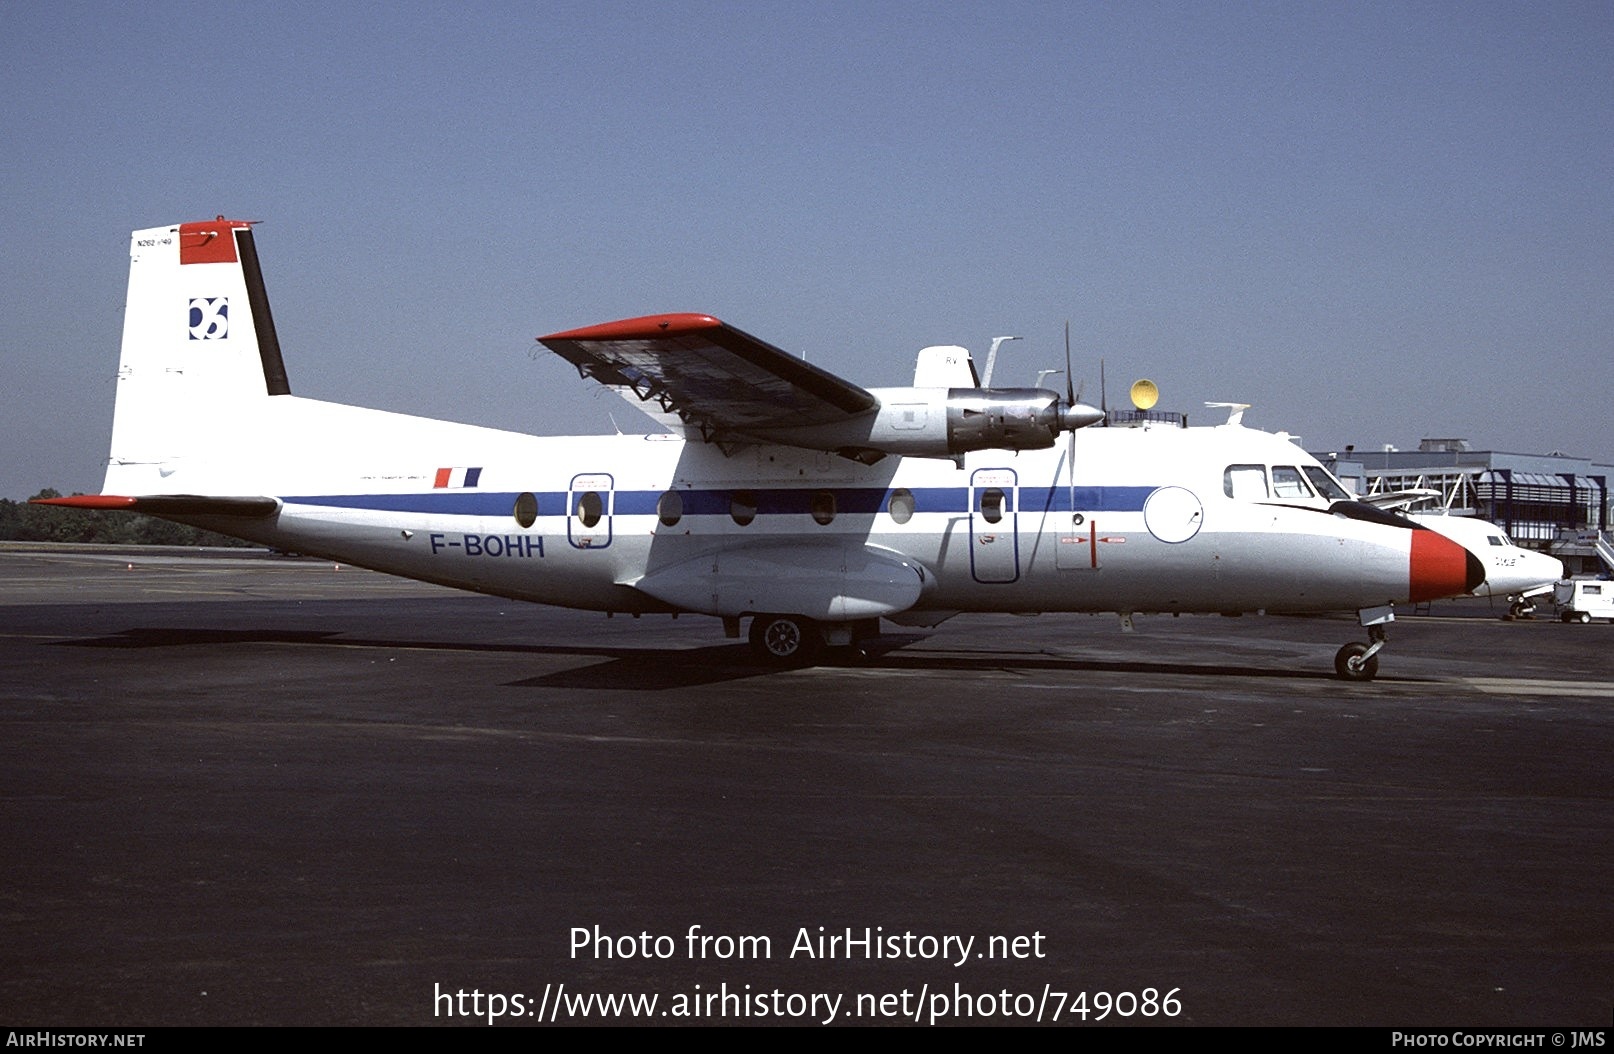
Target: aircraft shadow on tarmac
[[653, 669]]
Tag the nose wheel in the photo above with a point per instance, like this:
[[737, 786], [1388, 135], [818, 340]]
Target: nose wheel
[[1521, 608], [1360, 662]]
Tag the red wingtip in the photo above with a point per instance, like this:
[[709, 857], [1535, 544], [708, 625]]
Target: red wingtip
[[649, 327]]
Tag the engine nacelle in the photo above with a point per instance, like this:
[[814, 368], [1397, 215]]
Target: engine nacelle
[[945, 422], [1001, 419]]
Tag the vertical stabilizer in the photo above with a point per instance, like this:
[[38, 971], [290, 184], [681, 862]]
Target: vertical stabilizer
[[199, 350]]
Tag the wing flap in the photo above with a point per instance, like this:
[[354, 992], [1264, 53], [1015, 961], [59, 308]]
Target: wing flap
[[721, 382]]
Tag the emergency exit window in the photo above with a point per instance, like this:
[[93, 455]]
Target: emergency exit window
[[590, 507], [992, 505]]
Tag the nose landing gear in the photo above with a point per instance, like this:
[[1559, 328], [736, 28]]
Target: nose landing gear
[[1360, 662]]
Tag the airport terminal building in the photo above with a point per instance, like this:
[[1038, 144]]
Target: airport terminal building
[[1552, 502]]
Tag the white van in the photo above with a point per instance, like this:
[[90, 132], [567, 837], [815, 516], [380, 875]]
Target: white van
[[1583, 599]]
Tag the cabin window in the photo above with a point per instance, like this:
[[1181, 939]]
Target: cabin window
[[901, 505], [1326, 485], [1246, 482], [1287, 482], [590, 507], [743, 507], [526, 510], [992, 505], [670, 508], [823, 507]]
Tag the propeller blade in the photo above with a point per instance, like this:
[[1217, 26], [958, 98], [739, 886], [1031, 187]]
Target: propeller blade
[[1075, 415], [1070, 392], [1070, 433]]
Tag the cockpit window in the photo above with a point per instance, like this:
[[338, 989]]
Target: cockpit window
[[1287, 482], [1326, 485], [1246, 482], [1496, 539]]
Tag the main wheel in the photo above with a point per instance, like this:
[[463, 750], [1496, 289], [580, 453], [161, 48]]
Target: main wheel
[[786, 640], [1350, 665]]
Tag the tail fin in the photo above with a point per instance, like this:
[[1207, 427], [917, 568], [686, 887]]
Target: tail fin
[[199, 348]]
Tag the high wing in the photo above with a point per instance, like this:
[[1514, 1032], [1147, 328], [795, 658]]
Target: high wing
[[715, 383], [720, 383]]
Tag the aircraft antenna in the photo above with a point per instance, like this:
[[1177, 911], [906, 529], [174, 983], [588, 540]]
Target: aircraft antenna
[[992, 358]]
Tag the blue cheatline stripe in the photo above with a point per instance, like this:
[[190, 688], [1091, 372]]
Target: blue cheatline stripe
[[443, 503], [769, 501]]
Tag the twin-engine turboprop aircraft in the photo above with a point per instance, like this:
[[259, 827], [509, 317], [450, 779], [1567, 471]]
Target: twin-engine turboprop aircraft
[[781, 493]]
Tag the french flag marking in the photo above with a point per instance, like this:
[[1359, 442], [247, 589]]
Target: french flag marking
[[457, 477]]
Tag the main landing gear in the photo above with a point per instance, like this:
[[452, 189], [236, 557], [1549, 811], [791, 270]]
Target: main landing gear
[[1360, 662], [786, 640], [796, 640]]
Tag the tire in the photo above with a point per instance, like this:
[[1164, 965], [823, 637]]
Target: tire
[[1350, 666], [1584, 618], [786, 640]]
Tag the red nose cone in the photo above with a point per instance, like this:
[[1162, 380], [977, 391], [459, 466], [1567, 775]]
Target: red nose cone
[[1439, 567]]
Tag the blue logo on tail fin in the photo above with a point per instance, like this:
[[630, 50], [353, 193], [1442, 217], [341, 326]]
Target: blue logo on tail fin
[[210, 318]]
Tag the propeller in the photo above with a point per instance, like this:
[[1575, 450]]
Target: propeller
[[1070, 441], [1074, 414]]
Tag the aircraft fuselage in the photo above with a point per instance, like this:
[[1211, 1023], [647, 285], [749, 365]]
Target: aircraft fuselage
[[1145, 524]]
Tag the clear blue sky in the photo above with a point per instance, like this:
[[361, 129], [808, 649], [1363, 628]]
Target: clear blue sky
[[1373, 221]]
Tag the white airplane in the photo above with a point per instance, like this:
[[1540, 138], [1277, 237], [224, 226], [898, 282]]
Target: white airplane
[[1511, 571], [782, 494]]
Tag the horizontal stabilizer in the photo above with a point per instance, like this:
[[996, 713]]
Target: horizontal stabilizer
[[168, 504]]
